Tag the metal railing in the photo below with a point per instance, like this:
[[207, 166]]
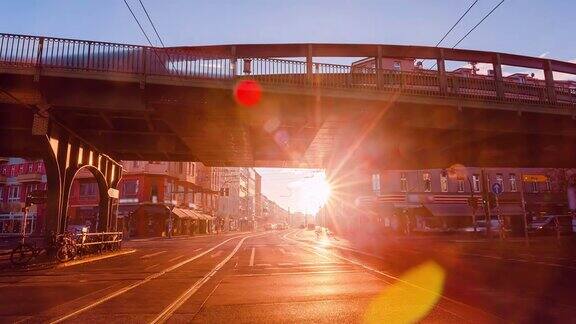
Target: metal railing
[[80, 55]]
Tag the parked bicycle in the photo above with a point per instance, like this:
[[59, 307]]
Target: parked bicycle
[[25, 252]]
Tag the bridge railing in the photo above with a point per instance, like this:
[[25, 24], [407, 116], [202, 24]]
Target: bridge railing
[[81, 55]]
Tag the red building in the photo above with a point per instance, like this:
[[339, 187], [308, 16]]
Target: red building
[[18, 177]]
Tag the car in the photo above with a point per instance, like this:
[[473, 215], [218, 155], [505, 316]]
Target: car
[[547, 225], [78, 229]]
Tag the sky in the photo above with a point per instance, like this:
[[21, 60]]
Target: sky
[[542, 28]]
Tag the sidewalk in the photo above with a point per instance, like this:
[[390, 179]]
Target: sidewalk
[[539, 246]]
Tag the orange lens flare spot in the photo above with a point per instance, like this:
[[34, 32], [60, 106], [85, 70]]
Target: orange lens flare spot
[[248, 93]]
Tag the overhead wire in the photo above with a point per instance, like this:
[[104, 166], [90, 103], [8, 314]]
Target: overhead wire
[[146, 35], [456, 23], [474, 28]]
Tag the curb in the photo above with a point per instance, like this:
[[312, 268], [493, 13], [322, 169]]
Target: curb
[[93, 259]]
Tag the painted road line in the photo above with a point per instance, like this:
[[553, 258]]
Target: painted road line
[[176, 258], [252, 257], [285, 264], [370, 269], [137, 284], [217, 254], [198, 249], [151, 267], [168, 311], [282, 251], [293, 273], [152, 254]]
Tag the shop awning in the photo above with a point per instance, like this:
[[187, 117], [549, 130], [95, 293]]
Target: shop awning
[[509, 210], [450, 209], [184, 213]]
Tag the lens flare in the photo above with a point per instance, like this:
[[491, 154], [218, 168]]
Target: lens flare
[[411, 298], [247, 93]]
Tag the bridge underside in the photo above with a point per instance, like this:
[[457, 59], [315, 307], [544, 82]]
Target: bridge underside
[[201, 121]]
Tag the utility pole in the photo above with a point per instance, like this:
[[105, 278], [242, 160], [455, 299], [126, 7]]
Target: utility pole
[[486, 200]]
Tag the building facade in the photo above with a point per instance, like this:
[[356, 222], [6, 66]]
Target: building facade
[[447, 199], [19, 177]]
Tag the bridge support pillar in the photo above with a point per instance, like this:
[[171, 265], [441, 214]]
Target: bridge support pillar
[[66, 157]]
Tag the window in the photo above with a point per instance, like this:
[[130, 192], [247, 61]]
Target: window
[[460, 184], [534, 186], [13, 193], [376, 183], [403, 182], [500, 180], [476, 182], [130, 187], [181, 167], [40, 167], [427, 182], [548, 185], [30, 167], [397, 65], [513, 186], [87, 189], [32, 187], [1, 194], [444, 181], [135, 164]]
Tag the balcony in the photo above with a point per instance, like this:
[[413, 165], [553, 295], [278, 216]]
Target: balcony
[[29, 177]]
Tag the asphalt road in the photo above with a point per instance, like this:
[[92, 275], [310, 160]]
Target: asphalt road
[[292, 277]]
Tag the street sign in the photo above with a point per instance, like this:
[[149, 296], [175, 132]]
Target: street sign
[[497, 189], [113, 193], [535, 178]]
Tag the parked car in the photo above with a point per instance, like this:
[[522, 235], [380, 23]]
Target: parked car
[[481, 226], [546, 225], [77, 229]]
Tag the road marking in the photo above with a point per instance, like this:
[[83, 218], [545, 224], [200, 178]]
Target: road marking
[[152, 266], [168, 311], [198, 249], [312, 249], [176, 258], [138, 283], [285, 264], [293, 273], [217, 254], [252, 257], [263, 265], [152, 254], [282, 250]]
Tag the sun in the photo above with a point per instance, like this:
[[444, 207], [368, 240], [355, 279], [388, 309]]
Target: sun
[[316, 192]]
